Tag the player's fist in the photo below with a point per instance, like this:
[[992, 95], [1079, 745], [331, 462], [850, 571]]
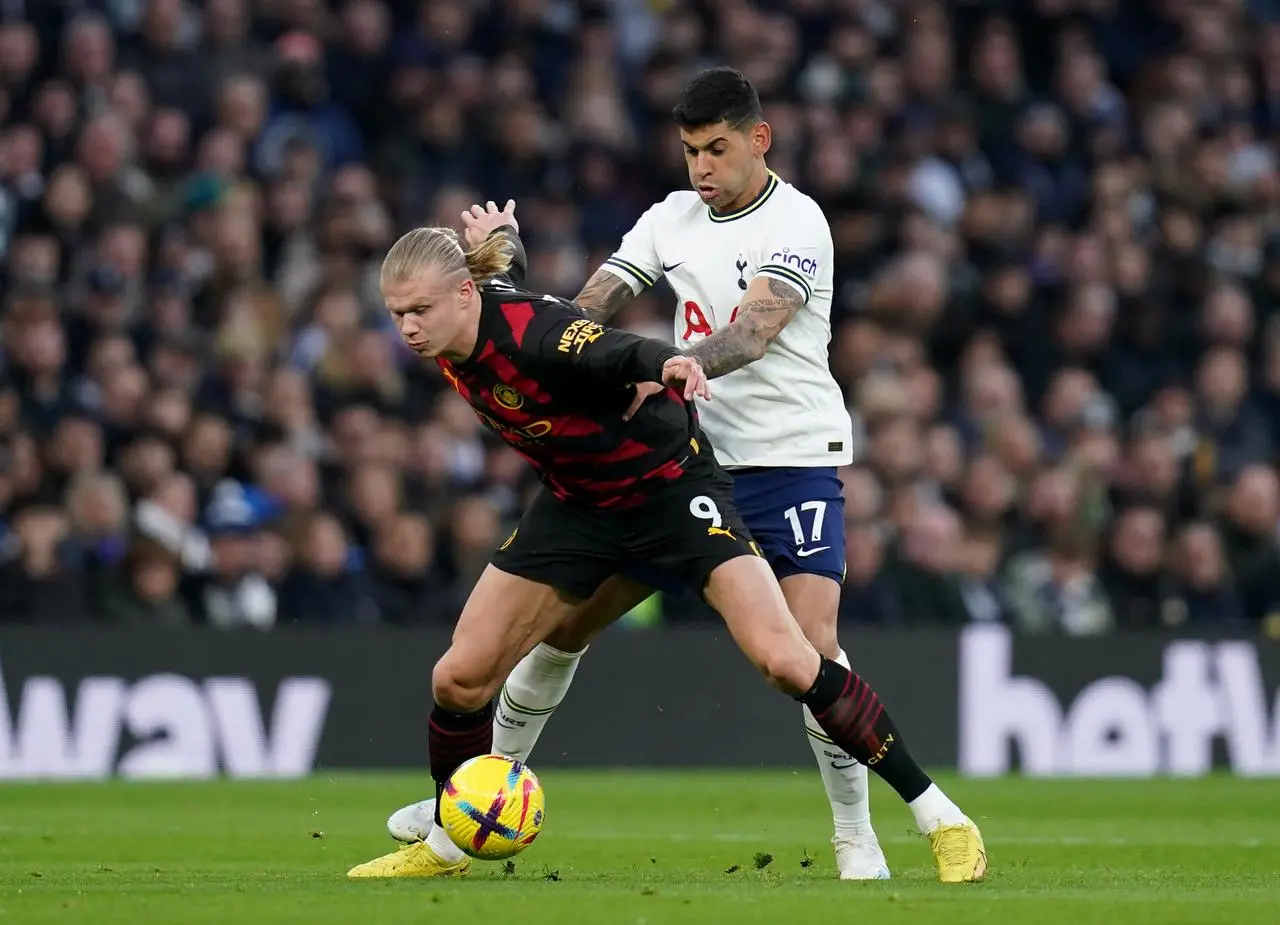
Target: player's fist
[[686, 374], [480, 221]]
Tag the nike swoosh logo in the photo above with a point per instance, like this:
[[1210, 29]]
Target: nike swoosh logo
[[840, 766], [499, 721], [668, 269], [809, 552]]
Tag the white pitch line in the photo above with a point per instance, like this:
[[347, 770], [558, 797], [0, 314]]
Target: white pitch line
[[1062, 841]]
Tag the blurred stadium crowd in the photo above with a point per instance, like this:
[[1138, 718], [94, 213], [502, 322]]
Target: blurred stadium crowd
[[1058, 275]]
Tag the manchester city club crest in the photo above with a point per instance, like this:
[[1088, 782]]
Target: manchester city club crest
[[507, 397]]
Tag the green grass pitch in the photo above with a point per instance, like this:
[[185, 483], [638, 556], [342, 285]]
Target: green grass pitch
[[628, 848]]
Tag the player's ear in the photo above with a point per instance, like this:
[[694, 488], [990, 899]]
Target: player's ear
[[761, 139]]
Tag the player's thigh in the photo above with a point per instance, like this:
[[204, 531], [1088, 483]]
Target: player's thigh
[[613, 599], [504, 617], [748, 598], [557, 558]]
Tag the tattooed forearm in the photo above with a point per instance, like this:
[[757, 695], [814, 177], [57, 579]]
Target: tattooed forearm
[[603, 295], [759, 322]]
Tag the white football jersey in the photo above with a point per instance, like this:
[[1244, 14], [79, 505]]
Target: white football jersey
[[785, 409]]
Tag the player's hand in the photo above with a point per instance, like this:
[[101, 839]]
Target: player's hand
[[643, 391], [686, 374], [480, 221]]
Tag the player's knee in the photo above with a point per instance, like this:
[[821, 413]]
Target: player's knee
[[815, 602], [823, 637], [791, 670], [459, 688]]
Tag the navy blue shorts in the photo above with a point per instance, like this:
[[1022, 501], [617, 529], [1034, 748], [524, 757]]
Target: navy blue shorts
[[796, 515]]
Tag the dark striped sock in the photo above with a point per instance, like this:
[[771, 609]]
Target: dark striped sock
[[454, 738], [849, 711]]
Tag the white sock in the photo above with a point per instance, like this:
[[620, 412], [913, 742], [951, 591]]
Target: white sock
[[845, 780], [438, 840], [934, 808], [531, 694]]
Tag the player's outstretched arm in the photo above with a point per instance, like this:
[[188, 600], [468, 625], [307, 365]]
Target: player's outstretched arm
[[559, 336], [764, 311], [603, 294]]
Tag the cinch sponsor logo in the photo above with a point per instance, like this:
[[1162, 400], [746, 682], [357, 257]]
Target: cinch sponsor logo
[[806, 265]]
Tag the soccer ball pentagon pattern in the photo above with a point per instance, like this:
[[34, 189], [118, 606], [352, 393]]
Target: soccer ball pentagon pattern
[[492, 807]]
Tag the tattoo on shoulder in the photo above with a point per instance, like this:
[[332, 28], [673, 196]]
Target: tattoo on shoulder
[[603, 295], [758, 324], [785, 291]]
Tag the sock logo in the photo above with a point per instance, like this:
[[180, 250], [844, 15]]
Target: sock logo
[[839, 760], [507, 721], [881, 752]]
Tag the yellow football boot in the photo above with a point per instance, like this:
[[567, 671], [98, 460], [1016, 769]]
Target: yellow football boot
[[960, 853], [416, 860]]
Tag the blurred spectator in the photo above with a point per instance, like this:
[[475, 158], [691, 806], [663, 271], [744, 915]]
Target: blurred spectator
[[407, 585], [868, 595], [1133, 573], [980, 587], [924, 569], [1055, 588], [1057, 283], [228, 586], [145, 591], [1206, 594], [42, 582], [327, 583], [1249, 540]]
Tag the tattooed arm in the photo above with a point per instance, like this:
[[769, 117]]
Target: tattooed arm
[[603, 295], [764, 311]]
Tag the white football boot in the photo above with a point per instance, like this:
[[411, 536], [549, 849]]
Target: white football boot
[[858, 857], [412, 823]]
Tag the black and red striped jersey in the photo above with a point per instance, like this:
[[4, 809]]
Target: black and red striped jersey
[[554, 385]]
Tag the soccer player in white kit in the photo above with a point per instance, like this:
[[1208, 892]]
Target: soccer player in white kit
[[750, 259]]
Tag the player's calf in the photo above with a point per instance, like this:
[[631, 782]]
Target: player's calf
[[747, 596]]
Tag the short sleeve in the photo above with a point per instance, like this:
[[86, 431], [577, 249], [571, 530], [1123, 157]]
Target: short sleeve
[[636, 259], [797, 251]]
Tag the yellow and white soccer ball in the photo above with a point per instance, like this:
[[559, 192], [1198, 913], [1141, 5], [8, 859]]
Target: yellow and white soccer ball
[[492, 807]]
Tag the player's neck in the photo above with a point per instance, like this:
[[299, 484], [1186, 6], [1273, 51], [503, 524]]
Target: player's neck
[[759, 180], [468, 338]]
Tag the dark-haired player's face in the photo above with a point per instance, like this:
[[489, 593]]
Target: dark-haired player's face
[[723, 161], [430, 312]]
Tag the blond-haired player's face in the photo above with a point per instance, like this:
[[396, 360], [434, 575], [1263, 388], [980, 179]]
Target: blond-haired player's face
[[430, 311], [723, 161]]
